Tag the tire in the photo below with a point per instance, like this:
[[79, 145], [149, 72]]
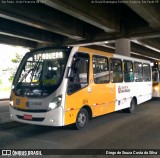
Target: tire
[[82, 119], [132, 107]]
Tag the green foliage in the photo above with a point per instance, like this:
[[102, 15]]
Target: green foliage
[[11, 78], [16, 61], [17, 58]]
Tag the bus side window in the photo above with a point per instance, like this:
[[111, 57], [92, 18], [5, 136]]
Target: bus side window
[[116, 70], [138, 72], [146, 72], [80, 73], [100, 69], [128, 71]]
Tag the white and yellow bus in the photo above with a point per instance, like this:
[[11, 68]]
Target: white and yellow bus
[[156, 81], [62, 86]]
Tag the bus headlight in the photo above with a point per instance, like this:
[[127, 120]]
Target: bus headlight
[[55, 103], [156, 88], [11, 103]]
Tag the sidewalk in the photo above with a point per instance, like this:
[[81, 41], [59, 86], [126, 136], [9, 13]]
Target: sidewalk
[[4, 111]]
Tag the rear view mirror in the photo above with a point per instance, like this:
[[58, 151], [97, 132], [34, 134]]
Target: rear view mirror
[[70, 73]]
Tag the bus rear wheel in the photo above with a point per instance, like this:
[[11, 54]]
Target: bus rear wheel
[[82, 119], [132, 107]]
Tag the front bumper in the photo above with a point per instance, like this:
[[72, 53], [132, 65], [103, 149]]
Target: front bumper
[[50, 118]]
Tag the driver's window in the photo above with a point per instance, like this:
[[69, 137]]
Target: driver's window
[[80, 73]]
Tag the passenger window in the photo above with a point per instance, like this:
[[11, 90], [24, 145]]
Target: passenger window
[[146, 72], [128, 71], [116, 70], [138, 72], [80, 73], [100, 69]]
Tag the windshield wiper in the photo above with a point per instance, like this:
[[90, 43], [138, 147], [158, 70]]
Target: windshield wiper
[[35, 69], [26, 74]]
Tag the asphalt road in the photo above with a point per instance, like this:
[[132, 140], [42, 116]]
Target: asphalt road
[[4, 106], [4, 111], [118, 130]]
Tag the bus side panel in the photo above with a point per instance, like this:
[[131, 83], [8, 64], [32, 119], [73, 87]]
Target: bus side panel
[[103, 98], [74, 102], [124, 94], [99, 97], [145, 89], [126, 91]]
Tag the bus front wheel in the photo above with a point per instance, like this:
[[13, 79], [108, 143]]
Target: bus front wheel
[[82, 119]]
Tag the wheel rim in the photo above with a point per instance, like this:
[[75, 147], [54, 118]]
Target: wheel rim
[[82, 118]]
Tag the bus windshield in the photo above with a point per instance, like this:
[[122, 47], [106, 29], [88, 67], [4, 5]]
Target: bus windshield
[[40, 72], [155, 75]]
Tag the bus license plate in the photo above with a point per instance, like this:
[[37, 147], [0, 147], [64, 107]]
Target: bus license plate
[[27, 117]]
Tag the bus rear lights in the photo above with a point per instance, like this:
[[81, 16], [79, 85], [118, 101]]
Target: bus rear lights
[[156, 88], [11, 103]]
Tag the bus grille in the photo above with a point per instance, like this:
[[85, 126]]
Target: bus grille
[[35, 111]]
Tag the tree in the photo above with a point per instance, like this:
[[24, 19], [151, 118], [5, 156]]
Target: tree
[[15, 62], [17, 58]]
